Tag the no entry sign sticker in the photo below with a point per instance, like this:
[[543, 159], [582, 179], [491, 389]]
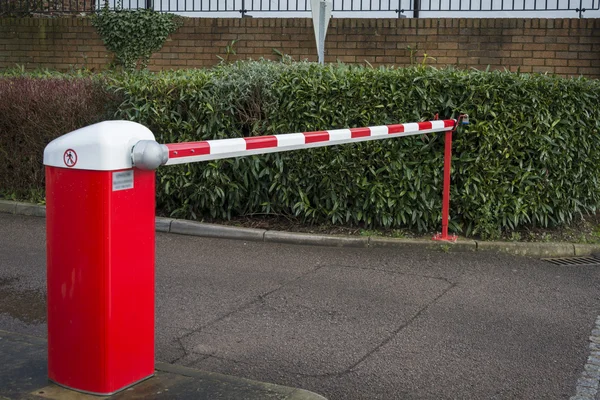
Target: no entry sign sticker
[[70, 158]]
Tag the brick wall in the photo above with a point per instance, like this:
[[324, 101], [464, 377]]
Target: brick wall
[[562, 46]]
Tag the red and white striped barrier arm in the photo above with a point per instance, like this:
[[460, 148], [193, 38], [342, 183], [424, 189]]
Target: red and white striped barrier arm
[[180, 153]]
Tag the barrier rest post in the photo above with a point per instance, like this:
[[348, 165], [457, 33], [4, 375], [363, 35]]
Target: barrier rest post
[[464, 119]]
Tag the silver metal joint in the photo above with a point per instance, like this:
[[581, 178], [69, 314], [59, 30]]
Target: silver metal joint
[[149, 155]]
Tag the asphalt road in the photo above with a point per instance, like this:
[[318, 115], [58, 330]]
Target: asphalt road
[[382, 323]]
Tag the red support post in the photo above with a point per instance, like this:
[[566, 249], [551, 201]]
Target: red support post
[[446, 193]]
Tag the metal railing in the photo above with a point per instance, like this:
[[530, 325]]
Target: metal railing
[[27, 7], [243, 7]]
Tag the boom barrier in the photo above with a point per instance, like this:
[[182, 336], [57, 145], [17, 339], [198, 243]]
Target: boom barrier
[[100, 228]]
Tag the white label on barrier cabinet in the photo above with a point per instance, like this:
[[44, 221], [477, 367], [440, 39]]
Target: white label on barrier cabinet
[[122, 180]]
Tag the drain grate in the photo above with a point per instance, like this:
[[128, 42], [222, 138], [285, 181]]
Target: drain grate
[[573, 261]]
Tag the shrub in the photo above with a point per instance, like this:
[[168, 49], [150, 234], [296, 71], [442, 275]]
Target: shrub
[[529, 158], [34, 112]]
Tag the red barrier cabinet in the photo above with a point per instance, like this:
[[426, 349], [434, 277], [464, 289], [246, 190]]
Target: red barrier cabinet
[[100, 259]]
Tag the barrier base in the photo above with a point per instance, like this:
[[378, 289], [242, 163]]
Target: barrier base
[[101, 394], [445, 238]]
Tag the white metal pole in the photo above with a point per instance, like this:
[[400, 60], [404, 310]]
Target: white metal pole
[[322, 28]]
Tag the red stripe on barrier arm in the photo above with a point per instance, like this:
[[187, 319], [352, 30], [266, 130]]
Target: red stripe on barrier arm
[[360, 132], [449, 123], [188, 149], [260, 142], [425, 125], [314, 137], [398, 128]]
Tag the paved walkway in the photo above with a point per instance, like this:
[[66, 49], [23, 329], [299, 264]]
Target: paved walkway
[[348, 323]]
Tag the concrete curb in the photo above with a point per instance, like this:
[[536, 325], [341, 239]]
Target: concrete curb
[[460, 245], [538, 250], [7, 206], [30, 209], [185, 227], [315, 240]]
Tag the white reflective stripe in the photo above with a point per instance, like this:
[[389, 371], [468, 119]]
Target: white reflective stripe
[[412, 127], [437, 124], [339, 134], [223, 146], [290, 139], [379, 130]]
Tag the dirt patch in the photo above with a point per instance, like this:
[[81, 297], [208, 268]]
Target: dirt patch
[[25, 305]]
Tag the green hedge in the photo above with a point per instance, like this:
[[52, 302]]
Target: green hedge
[[531, 155], [35, 111]]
